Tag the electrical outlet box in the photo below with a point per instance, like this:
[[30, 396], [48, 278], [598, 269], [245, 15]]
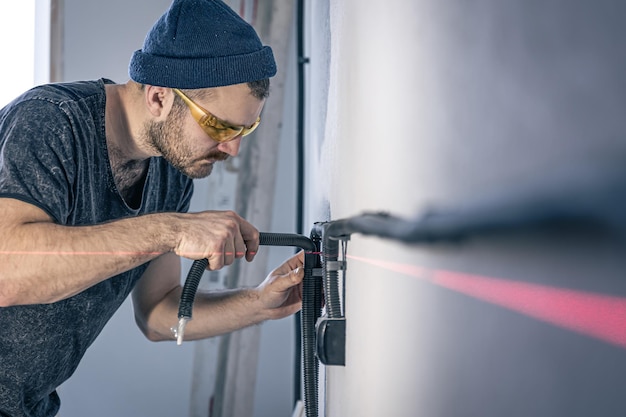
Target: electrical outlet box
[[331, 341]]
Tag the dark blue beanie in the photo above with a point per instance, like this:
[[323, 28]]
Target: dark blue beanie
[[201, 44]]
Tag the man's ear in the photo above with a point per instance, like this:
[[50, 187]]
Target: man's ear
[[158, 100]]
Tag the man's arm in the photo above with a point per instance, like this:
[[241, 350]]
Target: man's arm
[[43, 262], [157, 295]]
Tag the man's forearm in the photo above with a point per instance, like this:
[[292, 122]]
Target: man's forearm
[[42, 262], [214, 313], [218, 312]]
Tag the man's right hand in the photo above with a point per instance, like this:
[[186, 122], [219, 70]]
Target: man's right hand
[[219, 236]]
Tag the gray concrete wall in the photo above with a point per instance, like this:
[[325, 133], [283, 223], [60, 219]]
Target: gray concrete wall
[[445, 104]]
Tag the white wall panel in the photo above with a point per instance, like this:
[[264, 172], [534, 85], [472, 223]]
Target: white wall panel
[[443, 104]]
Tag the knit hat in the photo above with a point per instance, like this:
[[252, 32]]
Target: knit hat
[[201, 44]]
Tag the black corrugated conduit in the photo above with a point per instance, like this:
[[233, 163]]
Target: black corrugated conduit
[[265, 239], [302, 60], [311, 306], [330, 234]]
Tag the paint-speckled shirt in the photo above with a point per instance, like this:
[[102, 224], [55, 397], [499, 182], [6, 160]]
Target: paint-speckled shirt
[[53, 154]]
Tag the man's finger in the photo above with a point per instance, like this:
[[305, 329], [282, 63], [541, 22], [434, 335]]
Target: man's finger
[[251, 239], [216, 260]]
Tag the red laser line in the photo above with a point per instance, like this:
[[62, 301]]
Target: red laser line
[[595, 315], [119, 253], [79, 253], [108, 253]]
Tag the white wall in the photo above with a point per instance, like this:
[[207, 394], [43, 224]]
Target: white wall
[[442, 104], [17, 74]]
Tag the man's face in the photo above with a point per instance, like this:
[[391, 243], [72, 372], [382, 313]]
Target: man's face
[[175, 145], [183, 143]]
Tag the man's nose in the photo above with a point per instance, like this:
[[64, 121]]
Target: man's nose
[[231, 147]]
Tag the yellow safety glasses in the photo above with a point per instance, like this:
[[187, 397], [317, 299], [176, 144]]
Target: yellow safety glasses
[[219, 130]]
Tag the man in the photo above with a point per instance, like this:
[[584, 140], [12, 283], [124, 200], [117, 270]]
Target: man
[[95, 183]]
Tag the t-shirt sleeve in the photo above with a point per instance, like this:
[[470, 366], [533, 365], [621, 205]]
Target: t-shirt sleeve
[[36, 157]]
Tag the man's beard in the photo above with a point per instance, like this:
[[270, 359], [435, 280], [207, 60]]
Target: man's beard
[[167, 138]]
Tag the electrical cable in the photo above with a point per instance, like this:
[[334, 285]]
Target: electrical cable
[[311, 306], [301, 61]]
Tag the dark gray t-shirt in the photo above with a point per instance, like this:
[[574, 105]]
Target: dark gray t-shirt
[[53, 154]]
